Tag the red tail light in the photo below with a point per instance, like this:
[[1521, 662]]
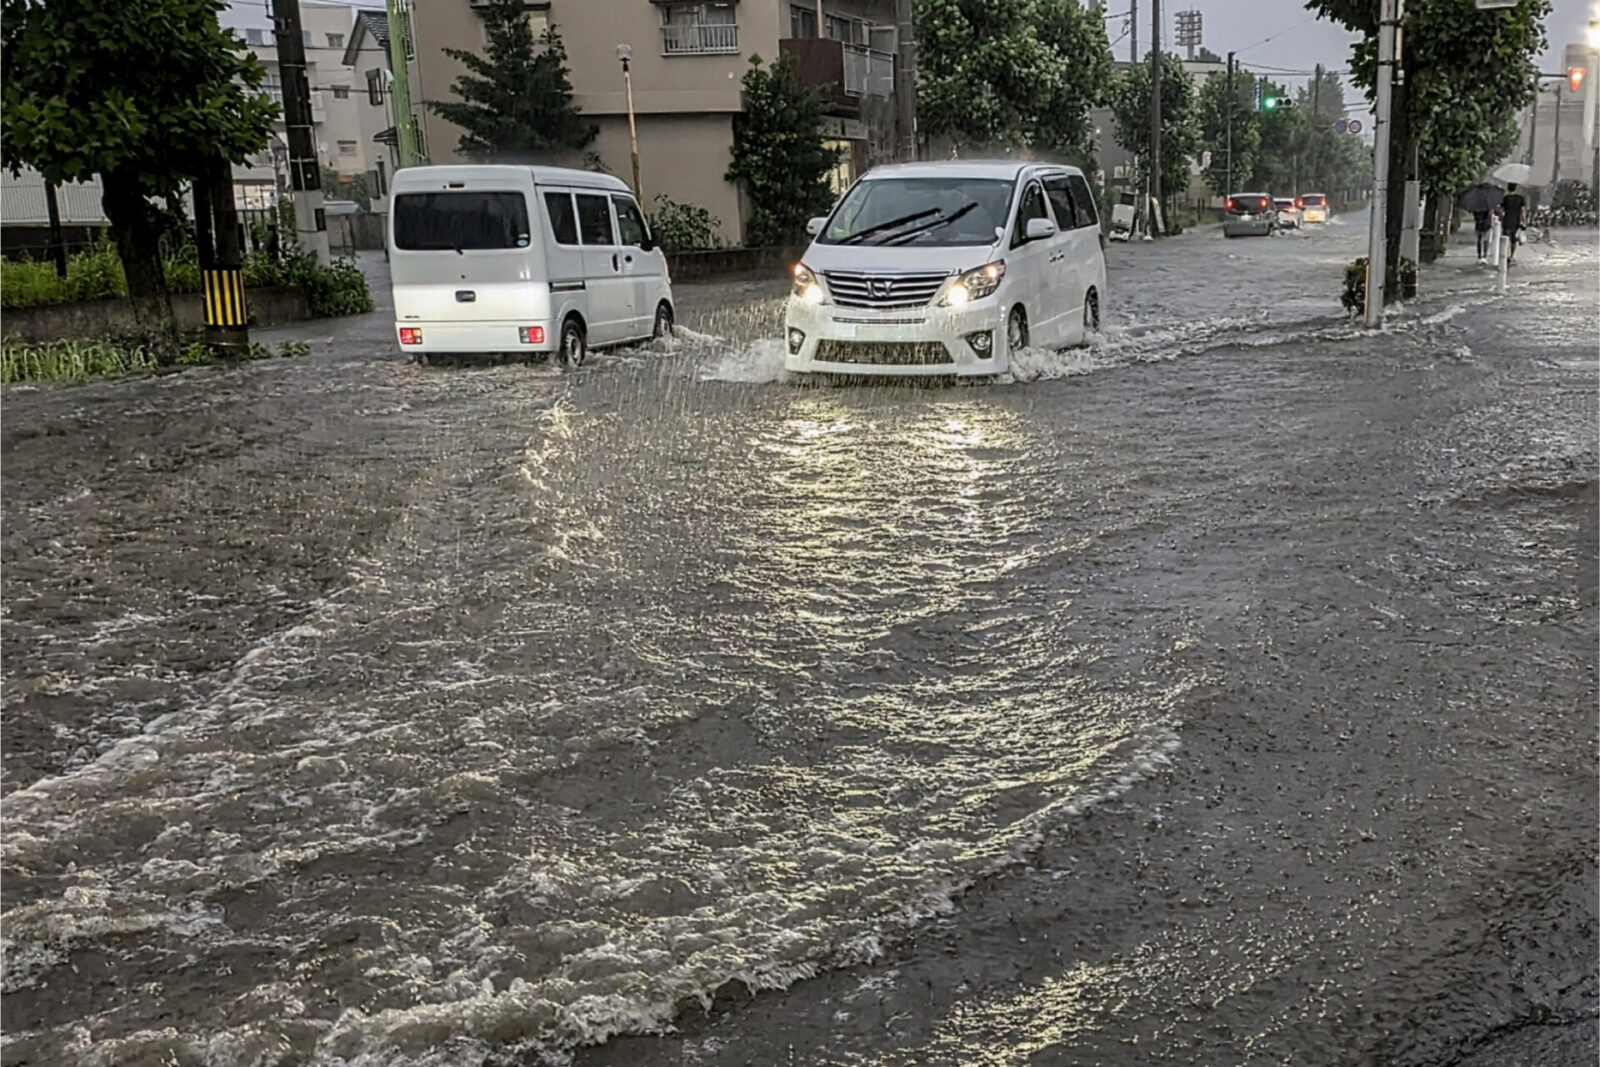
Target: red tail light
[[410, 335], [532, 335], [1299, 201], [1229, 205], [1264, 204]]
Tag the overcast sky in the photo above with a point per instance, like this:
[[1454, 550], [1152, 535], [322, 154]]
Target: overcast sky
[[1282, 33]]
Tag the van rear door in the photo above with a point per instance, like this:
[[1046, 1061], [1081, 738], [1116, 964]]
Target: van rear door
[[464, 255]]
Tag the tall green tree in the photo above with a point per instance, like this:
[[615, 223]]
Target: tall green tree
[[137, 93], [1180, 121], [1011, 73], [516, 98], [779, 154], [1246, 139], [1463, 70], [1283, 134]]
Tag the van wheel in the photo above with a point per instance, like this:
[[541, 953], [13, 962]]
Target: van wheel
[[663, 326], [1091, 311], [574, 346], [1017, 329]]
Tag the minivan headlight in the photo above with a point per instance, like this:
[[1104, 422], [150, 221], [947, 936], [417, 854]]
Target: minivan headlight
[[807, 286], [974, 284]]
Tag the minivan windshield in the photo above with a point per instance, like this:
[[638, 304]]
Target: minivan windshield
[[464, 221], [922, 212]]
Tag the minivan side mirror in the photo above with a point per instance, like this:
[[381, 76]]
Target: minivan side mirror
[[647, 243], [814, 226], [1039, 229]]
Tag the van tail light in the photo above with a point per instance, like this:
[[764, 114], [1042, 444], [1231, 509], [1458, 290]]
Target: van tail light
[[410, 335], [1229, 205], [1264, 204], [531, 335], [1299, 201]]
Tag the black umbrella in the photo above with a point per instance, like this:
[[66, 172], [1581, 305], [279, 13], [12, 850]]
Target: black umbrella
[[1482, 197]]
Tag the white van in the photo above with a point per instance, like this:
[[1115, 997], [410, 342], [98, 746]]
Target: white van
[[522, 259], [947, 268]]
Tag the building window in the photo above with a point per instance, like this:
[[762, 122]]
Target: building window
[[850, 31], [348, 148], [802, 21], [341, 92], [305, 39], [538, 24], [257, 38], [689, 29], [335, 40]]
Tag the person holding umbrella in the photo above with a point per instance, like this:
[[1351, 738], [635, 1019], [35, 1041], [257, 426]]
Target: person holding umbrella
[[1483, 200], [1512, 207]]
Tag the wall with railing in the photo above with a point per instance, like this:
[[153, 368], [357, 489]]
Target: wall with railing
[[699, 39]]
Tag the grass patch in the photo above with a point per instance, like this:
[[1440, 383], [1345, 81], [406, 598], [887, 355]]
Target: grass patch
[[81, 361]]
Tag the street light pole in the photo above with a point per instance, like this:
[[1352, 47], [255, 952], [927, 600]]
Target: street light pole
[[1229, 191], [625, 53], [1389, 17], [1157, 212]]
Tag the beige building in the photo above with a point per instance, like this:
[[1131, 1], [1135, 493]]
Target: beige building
[[688, 58], [1559, 135], [326, 27]]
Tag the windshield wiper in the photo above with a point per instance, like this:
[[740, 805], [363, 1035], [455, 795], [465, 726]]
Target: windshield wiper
[[934, 225], [891, 224]]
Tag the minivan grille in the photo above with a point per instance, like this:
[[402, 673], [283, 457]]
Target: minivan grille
[[857, 290], [884, 353]]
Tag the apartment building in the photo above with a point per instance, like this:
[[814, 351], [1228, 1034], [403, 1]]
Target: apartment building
[[326, 27], [688, 59], [1558, 133]]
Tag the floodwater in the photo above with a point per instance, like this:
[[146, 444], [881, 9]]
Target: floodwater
[[1222, 692]]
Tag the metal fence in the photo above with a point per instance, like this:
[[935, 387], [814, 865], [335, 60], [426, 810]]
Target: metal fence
[[867, 72], [699, 39]]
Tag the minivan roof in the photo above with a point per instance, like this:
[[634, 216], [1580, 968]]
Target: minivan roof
[[1009, 169], [412, 177]]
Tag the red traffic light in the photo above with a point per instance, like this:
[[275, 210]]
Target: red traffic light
[[1575, 76]]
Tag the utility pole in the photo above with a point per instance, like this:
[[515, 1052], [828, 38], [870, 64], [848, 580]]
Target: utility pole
[[1157, 211], [58, 243], [905, 80], [1555, 169], [405, 123], [1133, 32], [305, 170], [1230, 190], [217, 239], [1315, 128], [1377, 248], [1533, 133]]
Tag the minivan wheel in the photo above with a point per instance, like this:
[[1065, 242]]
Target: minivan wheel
[[663, 326], [1017, 329], [1091, 311], [574, 348]]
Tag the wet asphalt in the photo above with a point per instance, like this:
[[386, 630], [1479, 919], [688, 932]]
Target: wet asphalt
[[1223, 693]]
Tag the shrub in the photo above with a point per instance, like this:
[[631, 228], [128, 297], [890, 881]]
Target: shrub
[[1354, 297], [684, 227], [75, 361]]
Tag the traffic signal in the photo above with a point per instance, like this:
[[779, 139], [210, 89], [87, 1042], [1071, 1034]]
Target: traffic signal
[[1270, 103], [1575, 76]]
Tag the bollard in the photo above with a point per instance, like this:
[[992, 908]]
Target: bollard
[[1503, 248], [1494, 241]]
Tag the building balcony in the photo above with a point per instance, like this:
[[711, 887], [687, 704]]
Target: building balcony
[[700, 39], [844, 72]]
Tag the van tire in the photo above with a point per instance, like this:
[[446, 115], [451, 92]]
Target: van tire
[[574, 346], [1091, 312], [1016, 329], [663, 323]]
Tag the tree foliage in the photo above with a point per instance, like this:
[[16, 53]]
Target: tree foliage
[[1180, 120], [779, 154], [1246, 140], [135, 92], [516, 98], [1011, 73]]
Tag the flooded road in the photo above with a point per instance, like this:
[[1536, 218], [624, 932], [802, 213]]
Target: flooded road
[[1221, 693]]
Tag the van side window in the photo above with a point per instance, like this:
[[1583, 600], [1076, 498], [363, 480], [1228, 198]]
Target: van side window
[[563, 222], [594, 219], [1032, 208], [630, 224], [1083, 200], [1061, 199]]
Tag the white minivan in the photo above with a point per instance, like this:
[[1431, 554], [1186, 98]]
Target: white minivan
[[522, 259], [947, 268]]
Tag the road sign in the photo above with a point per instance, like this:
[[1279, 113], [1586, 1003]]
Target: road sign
[[1355, 126], [1341, 126]]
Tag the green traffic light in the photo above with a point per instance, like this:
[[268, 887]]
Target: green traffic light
[[1270, 103]]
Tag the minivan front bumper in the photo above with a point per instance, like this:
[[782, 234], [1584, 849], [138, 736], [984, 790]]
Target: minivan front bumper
[[477, 336], [924, 341]]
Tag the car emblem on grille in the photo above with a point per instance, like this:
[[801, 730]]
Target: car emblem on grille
[[880, 287]]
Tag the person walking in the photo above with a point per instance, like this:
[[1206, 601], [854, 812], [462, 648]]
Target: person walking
[[1481, 224], [1512, 209]]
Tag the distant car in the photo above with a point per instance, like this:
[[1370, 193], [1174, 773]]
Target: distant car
[[1314, 207], [1249, 215], [1288, 209]]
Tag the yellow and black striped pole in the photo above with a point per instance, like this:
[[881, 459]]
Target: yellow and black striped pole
[[221, 256]]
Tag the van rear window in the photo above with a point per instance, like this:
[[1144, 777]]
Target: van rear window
[[460, 221], [1315, 201]]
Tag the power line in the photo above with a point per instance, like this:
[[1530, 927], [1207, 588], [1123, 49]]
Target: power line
[[1275, 36]]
